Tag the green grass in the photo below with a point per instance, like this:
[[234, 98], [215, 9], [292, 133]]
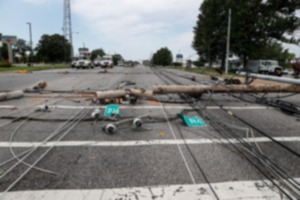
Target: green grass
[[208, 72], [34, 68]]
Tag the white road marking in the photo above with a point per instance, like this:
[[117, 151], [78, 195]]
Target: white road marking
[[245, 190], [158, 107], [178, 146], [143, 142]]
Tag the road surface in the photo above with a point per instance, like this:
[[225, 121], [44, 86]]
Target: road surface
[[67, 155]]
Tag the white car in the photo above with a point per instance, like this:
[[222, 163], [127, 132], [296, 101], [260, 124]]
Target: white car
[[84, 63], [107, 61]]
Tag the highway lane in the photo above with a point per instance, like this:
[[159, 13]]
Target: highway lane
[[156, 165]]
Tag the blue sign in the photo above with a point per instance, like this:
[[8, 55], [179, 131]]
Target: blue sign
[[179, 56]]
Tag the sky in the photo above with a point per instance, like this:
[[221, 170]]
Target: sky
[[133, 28]]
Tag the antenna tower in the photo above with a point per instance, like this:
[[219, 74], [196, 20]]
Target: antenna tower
[[67, 26]]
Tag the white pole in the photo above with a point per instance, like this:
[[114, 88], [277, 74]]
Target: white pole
[[228, 42], [272, 78]]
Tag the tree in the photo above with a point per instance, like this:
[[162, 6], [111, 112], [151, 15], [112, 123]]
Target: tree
[[255, 25], [21, 47], [4, 52], [162, 57], [210, 31], [53, 48], [117, 58], [97, 52]]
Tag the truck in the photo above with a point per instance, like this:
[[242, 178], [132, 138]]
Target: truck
[[265, 67], [107, 61], [83, 62]]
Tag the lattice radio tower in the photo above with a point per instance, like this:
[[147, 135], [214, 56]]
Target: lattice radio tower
[[67, 26]]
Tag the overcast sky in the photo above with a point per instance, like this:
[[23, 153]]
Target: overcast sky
[[133, 28]]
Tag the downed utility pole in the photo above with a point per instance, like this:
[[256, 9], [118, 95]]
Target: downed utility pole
[[20, 93], [194, 89], [124, 93], [36, 87], [271, 78], [11, 95], [167, 89]]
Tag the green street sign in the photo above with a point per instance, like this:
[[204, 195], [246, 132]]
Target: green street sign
[[192, 121], [112, 109]]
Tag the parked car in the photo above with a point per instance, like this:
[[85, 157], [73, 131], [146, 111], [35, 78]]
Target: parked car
[[84, 63], [265, 67], [107, 61]]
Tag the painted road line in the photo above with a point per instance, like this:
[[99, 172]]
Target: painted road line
[[144, 142], [158, 107], [245, 190]]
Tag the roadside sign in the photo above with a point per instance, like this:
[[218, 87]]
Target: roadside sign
[[192, 121], [112, 109], [10, 39]]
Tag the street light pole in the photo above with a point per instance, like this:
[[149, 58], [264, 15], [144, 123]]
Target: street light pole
[[228, 42], [30, 37]]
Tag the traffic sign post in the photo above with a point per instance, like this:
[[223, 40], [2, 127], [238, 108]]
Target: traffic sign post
[[9, 39]]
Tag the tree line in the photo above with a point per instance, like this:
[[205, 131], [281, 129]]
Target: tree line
[[53, 48], [258, 29]]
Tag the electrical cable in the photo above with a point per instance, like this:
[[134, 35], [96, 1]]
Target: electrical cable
[[55, 133], [294, 183], [270, 169], [17, 158], [82, 114], [261, 132], [197, 163], [242, 142]]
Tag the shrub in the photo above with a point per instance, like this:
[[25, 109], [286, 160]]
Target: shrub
[[177, 64], [4, 64]]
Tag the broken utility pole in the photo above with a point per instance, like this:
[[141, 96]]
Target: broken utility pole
[[194, 89], [20, 93], [11, 95]]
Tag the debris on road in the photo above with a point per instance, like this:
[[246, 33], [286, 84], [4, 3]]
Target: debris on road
[[165, 89], [64, 72], [125, 83], [194, 89], [11, 95], [136, 122], [9, 107], [36, 87], [24, 71], [102, 72]]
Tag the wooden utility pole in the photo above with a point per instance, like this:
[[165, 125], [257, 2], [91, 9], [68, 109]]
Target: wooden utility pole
[[20, 93], [194, 89], [165, 89], [11, 95]]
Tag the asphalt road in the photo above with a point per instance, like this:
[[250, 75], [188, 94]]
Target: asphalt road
[[163, 160]]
